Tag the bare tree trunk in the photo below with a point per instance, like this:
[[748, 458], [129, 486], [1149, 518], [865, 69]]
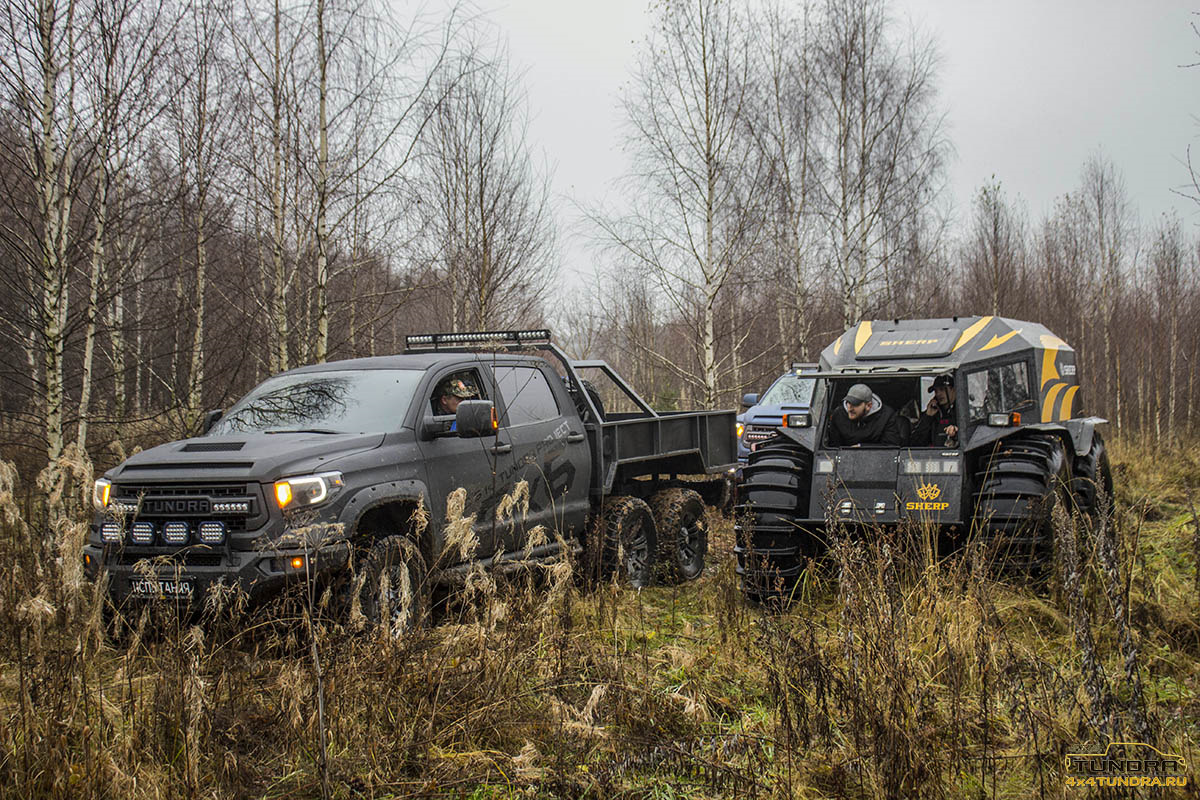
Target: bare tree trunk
[[322, 234], [279, 319], [53, 169], [196, 372], [92, 312]]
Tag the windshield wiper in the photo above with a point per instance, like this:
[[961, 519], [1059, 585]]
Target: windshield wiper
[[305, 430]]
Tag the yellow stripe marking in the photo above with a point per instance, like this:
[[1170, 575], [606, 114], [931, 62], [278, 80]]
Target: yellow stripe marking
[[860, 338], [1050, 359], [1068, 398], [1048, 403], [837, 346], [999, 340], [970, 332]]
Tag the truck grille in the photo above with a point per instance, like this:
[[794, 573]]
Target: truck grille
[[757, 433], [181, 511]]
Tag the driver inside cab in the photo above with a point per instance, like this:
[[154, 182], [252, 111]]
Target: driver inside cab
[[864, 419], [450, 392]]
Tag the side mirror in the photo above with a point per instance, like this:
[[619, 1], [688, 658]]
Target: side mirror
[[210, 418], [476, 418], [749, 400]]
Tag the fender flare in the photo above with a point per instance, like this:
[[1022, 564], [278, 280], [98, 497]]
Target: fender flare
[[380, 494], [1080, 431]]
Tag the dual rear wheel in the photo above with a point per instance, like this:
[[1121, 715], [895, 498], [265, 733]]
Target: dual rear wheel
[[666, 538]]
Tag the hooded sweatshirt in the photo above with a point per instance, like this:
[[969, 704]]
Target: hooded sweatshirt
[[877, 426]]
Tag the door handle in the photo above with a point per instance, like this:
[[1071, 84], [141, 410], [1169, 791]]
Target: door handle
[[501, 449], [574, 437]]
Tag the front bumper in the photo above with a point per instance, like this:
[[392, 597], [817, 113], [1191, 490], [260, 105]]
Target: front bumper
[[143, 574]]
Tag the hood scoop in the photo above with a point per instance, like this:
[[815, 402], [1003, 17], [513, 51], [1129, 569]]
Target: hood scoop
[[213, 447]]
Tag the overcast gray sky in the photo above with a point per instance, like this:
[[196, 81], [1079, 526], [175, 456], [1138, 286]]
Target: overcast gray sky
[[1030, 89]]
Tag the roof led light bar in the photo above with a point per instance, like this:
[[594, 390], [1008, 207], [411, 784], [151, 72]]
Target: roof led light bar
[[437, 341]]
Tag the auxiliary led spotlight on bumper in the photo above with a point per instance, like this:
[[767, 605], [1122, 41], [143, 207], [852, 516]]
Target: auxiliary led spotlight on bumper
[[111, 533], [175, 532], [142, 533], [211, 532]]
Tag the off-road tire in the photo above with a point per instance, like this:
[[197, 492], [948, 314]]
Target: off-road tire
[[1090, 473], [1018, 487], [682, 534], [627, 539], [376, 588], [774, 493]]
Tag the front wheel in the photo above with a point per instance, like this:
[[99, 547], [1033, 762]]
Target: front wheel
[[1092, 480], [389, 590], [1020, 484]]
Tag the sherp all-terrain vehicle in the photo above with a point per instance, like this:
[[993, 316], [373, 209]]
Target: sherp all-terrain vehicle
[[1002, 442]]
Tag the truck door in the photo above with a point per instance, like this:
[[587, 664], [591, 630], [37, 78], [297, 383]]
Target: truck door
[[551, 452], [475, 465]]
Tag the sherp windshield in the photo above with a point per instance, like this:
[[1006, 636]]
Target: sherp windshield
[[345, 401], [790, 389]]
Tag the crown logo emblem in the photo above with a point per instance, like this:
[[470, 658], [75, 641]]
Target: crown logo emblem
[[929, 491]]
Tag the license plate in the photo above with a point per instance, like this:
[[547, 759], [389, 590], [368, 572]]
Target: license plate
[[163, 588]]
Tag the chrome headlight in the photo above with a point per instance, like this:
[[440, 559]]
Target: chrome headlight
[[101, 492], [308, 490]]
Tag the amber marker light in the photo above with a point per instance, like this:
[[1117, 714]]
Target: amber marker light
[[297, 562], [495, 421], [283, 494]]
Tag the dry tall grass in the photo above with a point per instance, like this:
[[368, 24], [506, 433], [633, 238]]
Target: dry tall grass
[[893, 675]]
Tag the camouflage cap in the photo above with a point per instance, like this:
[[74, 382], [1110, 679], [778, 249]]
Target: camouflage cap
[[457, 387]]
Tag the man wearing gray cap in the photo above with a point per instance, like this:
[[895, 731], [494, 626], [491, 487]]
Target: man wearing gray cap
[[863, 419]]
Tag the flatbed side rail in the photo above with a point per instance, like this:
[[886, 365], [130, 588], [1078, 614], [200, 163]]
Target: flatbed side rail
[[689, 442]]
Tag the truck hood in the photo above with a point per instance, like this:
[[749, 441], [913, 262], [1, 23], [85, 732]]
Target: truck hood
[[771, 415], [260, 456]]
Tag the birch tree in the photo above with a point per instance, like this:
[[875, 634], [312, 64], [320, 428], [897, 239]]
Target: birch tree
[[39, 58], [201, 115], [880, 140], [993, 255], [782, 127], [122, 87], [488, 228], [695, 181]]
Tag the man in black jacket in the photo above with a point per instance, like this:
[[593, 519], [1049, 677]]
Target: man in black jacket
[[863, 419], [938, 426]]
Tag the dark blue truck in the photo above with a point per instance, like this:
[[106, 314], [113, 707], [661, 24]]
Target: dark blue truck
[[791, 393]]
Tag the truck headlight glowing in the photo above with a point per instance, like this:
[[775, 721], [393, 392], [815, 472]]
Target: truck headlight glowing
[[101, 492], [308, 490]]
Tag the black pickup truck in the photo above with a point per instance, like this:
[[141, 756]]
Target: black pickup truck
[[352, 467]]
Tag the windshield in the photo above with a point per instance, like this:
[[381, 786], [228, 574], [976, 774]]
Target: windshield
[[349, 401], [789, 390]]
